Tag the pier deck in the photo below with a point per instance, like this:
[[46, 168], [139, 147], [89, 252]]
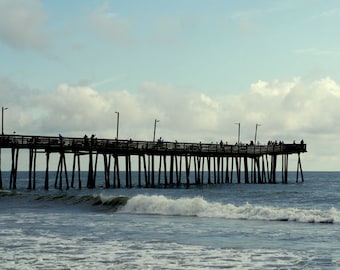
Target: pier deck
[[222, 156]]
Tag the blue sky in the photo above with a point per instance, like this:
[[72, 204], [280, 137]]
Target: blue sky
[[197, 66]]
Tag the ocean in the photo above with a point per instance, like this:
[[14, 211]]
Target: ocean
[[225, 226]]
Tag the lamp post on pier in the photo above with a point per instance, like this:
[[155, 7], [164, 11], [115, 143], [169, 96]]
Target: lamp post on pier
[[2, 119], [154, 129], [117, 124], [256, 126], [238, 133]]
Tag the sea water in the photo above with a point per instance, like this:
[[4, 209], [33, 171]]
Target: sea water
[[225, 226]]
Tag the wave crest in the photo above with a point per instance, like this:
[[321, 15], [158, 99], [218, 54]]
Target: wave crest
[[198, 206], [112, 202]]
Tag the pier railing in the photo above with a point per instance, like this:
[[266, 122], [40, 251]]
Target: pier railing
[[173, 158], [74, 144]]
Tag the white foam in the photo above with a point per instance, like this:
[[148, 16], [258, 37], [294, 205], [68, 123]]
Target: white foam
[[89, 240], [198, 206], [77, 253]]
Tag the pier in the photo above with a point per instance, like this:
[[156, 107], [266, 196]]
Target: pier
[[158, 163]]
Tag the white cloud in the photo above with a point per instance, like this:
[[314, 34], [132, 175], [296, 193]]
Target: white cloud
[[286, 111], [275, 88], [327, 85], [22, 24]]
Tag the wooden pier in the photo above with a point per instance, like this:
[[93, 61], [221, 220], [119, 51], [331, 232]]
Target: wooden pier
[[179, 164]]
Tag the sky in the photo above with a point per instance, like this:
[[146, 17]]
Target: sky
[[197, 66]]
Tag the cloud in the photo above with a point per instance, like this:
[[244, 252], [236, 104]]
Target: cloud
[[286, 110], [22, 24], [275, 88], [71, 109], [283, 108], [110, 25], [296, 108], [13, 94]]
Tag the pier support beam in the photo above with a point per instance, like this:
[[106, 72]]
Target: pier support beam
[[227, 171], [76, 161], [0, 171], [61, 168], [285, 168], [246, 173], [273, 169], [209, 172], [107, 165], [238, 169], [258, 169], [47, 172], [187, 169], [128, 177], [13, 177], [178, 171], [172, 160], [264, 178], [146, 179], [299, 166], [90, 176], [32, 166], [116, 173]]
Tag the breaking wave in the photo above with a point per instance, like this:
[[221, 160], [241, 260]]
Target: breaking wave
[[195, 207], [198, 206], [112, 202]]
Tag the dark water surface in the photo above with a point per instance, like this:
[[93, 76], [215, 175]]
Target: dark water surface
[[236, 226]]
